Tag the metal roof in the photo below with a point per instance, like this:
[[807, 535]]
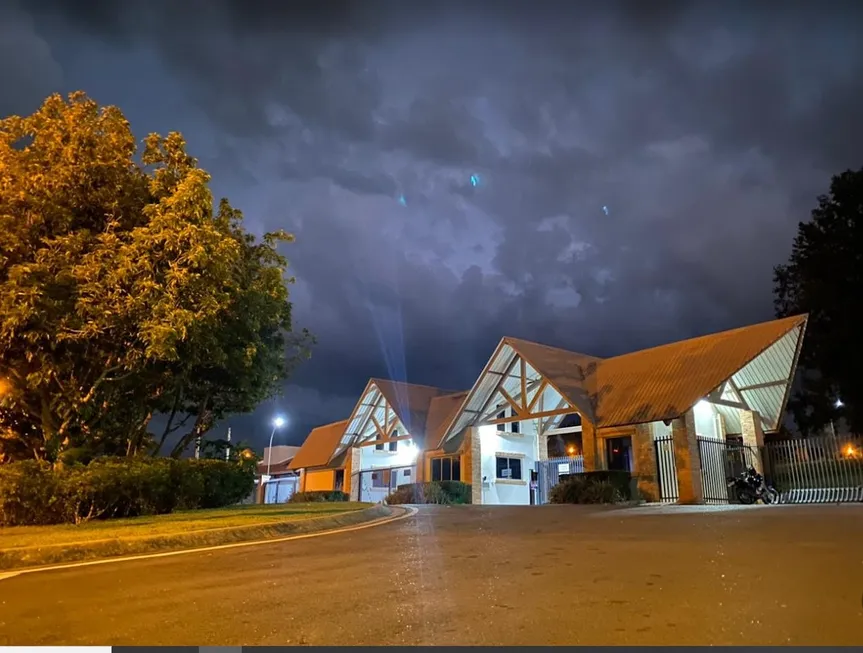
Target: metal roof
[[319, 446], [410, 403], [664, 382], [654, 384], [569, 372], [441, 411]]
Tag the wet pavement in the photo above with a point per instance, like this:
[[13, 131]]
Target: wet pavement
[[479, 575]]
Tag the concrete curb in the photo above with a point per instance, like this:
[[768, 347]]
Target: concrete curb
[[12, 560]]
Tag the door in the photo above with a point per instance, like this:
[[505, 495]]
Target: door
[[618, 453]]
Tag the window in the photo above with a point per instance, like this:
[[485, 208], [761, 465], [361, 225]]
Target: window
[[379, 446], [394, 445], [381, 478], [507, 427], [508, 469], [446, 468], [407, 473]]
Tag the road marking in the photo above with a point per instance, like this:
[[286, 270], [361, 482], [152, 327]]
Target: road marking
[[409, 512]]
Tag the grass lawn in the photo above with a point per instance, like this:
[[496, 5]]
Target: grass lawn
[[178, 523]]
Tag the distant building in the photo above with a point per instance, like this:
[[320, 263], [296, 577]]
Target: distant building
[[279, 482]]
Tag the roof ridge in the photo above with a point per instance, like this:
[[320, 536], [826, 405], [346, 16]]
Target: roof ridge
[[790, 319], [445, 391], [540, 344]]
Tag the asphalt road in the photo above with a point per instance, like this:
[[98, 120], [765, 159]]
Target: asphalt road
[[479, 575]]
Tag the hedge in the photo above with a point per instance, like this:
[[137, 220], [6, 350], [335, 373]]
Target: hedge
[[33, 493], [593, 487], [318, 496], [436, 492]]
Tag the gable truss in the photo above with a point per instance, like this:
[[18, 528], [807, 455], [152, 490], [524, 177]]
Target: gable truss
[[373, 421], [510, 384]]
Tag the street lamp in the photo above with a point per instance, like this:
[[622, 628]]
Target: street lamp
[[836, 404], [278, 423]]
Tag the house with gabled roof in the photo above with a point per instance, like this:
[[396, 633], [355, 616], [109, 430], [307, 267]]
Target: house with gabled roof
[[732, 385], [316, 463]]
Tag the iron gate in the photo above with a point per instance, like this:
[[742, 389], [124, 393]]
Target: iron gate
[[550, 472], [721, 461], [666, 469]]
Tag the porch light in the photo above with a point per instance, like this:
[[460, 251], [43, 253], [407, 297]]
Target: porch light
[[850, 451], [407, 454], [838, 403]]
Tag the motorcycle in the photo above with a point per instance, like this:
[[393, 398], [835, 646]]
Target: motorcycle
[[750, 486]]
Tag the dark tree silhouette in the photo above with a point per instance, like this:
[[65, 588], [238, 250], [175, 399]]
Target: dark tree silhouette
[[824, 278]]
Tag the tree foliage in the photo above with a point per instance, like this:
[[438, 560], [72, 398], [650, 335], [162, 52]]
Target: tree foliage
[[824, 278], [124, 291]]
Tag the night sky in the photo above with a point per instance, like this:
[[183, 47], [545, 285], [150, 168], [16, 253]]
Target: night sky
[[598, 176]]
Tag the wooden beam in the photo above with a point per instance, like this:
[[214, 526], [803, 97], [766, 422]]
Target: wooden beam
[[563, 403], [737, 390], [369, 443], [519, 418], [759, 386], [497, 386], [523, 370], [539, 391], [730, 404], [515, 407], [364, 424], [378, 428], [717, 393]]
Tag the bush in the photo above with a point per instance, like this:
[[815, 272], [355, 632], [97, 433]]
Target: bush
[[318, 496], [590, 488], [36, 493], [440, 493]]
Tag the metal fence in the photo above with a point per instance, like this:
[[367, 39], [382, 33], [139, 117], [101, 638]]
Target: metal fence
[[666, 468], [550, 472], [821, 469], [721, 461]]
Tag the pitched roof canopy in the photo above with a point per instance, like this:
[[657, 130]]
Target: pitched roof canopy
[[757, 362], [319, 446], [664, 382], [391, 406]]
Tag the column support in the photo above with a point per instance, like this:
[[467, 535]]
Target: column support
[[687, 459]]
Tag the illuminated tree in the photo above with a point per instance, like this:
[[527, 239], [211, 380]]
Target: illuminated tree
[[824, 278], [122, 291]]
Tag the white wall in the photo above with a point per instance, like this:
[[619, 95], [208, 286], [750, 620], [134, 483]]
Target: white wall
[[404, 456], [706, 417], [660, 429], [370, 459], [523, 446]]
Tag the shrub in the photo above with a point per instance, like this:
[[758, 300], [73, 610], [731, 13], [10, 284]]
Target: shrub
[[36, 493], [318, 496], [440, 493], [586, 489]]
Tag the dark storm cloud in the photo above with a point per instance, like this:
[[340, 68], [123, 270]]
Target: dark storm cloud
[[642, 165]]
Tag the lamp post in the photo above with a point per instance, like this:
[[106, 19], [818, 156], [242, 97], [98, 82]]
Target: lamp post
[[278, 423]]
